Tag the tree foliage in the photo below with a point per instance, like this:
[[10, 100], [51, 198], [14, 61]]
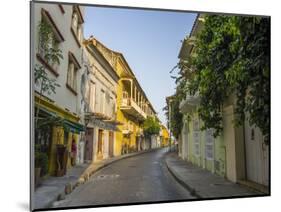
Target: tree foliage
[[175, 121], [176, 117], [232, 56], [151, 126], [52, 55]]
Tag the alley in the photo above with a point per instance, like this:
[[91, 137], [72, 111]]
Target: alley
[[143, 178]]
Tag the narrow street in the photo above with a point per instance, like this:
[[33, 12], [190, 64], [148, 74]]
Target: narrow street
[[143, 178]]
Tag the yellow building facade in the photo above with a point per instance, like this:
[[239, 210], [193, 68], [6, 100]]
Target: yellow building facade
[[57, 134], [133, 106], [164, 136]]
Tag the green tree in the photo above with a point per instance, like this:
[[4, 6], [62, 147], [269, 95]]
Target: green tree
[[52, 55], [232, 56], [172, 110], [151, 126]]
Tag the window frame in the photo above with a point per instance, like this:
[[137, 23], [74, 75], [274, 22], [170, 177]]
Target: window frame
[[92, 96], [77, 33], [72, 59], [209, 142], [57, 35], [196, 138], [102, 101]]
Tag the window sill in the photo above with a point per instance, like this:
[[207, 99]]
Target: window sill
[[46, 64], [71, 89], [75, 37]]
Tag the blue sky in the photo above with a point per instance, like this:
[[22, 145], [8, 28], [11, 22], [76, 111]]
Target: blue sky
[[149, 40]]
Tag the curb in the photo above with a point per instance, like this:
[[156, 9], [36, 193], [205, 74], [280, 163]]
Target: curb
[[181, 181], [70, 187]]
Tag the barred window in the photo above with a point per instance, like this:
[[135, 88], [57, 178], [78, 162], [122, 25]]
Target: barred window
[[209, 144], [196, 137]]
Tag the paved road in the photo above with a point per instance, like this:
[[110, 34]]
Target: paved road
[[143, 178]]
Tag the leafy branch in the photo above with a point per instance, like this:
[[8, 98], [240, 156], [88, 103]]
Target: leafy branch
[[231, 57], [52, 55]]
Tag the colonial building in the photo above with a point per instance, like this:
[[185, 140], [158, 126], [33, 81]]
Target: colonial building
[[164, 136], [62, 27], [133, 106], [239, 154], [101, 111]]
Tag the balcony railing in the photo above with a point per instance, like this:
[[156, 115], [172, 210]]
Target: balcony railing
[[131, 107], [190, 102]]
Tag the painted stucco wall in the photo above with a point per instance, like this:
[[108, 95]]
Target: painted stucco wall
[[63, 97], [101, 80], [216, 164], [124, 118]]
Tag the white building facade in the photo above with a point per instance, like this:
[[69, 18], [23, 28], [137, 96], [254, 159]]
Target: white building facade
[[102, 108]]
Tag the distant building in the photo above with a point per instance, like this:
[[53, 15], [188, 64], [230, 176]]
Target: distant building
[[133, 106], [102, 108], [164, 136]]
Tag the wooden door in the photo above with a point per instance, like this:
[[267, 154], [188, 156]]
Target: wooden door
[[89, 145], [111, 144], [100, 145]]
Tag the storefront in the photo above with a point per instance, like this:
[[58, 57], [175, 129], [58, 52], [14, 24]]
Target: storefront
[[57, 136], [100, 137]]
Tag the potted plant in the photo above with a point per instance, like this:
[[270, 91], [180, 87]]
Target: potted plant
[[41, 164]]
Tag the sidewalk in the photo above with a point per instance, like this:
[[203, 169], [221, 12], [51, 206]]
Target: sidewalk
[[202, 183], [55, 188]]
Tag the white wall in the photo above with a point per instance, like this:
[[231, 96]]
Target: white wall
[[63, 97], [103, 81]]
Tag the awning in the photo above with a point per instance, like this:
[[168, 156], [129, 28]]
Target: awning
[[45, 111], [68, 125], [74, 127]]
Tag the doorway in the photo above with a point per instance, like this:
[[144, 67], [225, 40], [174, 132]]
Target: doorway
[[100, 145], [111, 143], [89, 145]]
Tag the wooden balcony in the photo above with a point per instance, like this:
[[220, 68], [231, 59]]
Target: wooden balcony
[[189, 103], [130, 107]]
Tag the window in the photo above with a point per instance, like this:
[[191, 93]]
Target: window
[[112, 103], [92, 95], [75, 22], [107, 105], [48, 42], [73, 67], [102, 101], [209, 145], [76, 25], [196, 137]]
